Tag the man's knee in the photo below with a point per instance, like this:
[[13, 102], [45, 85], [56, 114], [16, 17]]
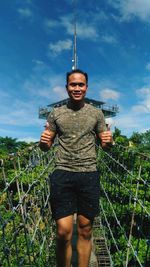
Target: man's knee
[[64, 233], [85, 232], [64, 230], [84, 229]]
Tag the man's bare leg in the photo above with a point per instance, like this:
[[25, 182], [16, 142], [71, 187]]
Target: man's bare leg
[[84, 244], [63, 243]]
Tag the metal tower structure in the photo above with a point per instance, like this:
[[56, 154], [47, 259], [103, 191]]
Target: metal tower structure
[[109, 111], [74, 60]]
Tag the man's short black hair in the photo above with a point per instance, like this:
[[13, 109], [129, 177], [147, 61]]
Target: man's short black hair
[[76, 71]]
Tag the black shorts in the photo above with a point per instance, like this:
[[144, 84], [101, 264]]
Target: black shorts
[[74, 192]]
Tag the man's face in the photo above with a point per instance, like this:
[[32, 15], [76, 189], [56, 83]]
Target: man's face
[[77, 86]]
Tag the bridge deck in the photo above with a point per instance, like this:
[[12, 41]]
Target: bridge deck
[[100, 256]]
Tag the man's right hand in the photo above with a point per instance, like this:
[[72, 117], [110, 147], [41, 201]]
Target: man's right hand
[[47, 138]]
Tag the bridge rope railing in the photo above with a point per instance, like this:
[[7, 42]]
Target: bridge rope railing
[[124, 203], [26, 226], [27, 232]]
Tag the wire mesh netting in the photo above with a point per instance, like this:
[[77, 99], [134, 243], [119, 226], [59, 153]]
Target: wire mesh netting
[[121, 232], [125, 208]]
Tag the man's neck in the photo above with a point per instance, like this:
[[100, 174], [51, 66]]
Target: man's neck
[[76, 105]]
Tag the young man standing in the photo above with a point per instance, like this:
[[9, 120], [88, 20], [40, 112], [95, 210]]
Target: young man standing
[[75, 181]]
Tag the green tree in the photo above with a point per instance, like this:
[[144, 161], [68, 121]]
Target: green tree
[[8, 144], [144, 147], [116, 133], [11, 145], [146, 138], [136, 138], [119, 138], [122, 140]]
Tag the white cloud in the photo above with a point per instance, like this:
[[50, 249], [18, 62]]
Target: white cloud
[[28, 139], [25, 12], [60, 91], [44, 92], [140, 109], [40, 84], [143, 105], [87, 31], [126, 121], [84, 30], [133, 8], [19, 118], [38, 62], [107, 93], [109, 39], [129, 121], [51, 24], [58, 47], [143, 92], [23, 133], [37, 87], [148, 66]]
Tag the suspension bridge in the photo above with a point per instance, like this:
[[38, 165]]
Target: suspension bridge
[[121, 231]]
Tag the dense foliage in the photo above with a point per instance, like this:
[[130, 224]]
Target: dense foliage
[[139, 141], [10, 222], [25, 226], [125, 194]]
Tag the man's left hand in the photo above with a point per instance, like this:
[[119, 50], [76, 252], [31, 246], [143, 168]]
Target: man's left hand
[[106, 138]]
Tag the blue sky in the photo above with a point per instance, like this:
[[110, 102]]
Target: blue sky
[[36, 47]]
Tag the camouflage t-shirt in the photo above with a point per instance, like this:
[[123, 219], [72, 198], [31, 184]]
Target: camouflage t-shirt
[[76, 131]]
